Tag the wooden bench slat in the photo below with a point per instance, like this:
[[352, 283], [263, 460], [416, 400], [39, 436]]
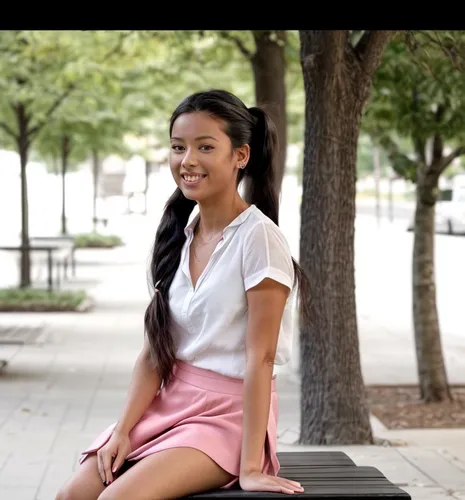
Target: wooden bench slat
[[318, 493], [325, 475], [317, 458], [335, 472]]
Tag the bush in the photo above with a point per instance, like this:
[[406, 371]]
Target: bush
[[38, 300], [96, 240]]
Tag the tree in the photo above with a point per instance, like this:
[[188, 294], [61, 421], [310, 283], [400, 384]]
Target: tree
[[337, 73], [268, 63], [101, 139], [56, 143], [419, 93], [39, 70], [93, 124], [265, 53], [72, 140]]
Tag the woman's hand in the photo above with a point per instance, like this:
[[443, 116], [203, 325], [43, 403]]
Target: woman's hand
[[111, 456], [257, 481]]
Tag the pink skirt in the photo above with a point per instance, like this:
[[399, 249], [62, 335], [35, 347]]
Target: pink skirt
[[199, 409]]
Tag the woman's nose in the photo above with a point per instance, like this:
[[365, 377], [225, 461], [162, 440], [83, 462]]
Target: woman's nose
[[189, 159]]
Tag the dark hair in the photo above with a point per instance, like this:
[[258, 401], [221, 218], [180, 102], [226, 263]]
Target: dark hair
[[243, 126]]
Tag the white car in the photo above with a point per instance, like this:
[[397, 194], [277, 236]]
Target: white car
[[450, 213]]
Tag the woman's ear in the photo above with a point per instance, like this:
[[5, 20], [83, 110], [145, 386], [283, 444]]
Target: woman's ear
[[243, 156]]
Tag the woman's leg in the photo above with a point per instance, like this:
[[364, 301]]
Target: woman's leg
[[85, 484], [168, 474]]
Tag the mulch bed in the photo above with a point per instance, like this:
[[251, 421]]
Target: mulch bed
[[400, 407]]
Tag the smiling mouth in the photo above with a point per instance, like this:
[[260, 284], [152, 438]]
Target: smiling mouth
[[192, 179]]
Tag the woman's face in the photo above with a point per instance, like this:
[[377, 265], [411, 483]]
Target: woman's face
[[202, 161]]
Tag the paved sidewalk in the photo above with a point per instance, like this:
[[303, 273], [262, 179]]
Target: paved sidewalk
[[57, 395]]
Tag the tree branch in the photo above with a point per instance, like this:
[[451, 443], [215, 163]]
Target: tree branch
[[370, 48], [8, 129], [438, 143], [325, 48], [454, 50], [437, 147], [37, 128], [401, 163], [117, 47], [240, 44], [447, 160], [418, 140]]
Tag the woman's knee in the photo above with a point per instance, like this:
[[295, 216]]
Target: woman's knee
[[85, 484], [112, 493], [67, 493], [72, 491], [107, 495]]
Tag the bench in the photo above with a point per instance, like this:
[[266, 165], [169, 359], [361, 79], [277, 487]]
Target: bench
[[97, 220], [54, 252], [324, 475], [65, 250]]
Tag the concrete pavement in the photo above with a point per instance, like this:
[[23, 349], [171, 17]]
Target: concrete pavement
[[58, 394]]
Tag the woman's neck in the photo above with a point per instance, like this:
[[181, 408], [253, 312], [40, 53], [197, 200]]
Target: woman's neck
[[214, 217]]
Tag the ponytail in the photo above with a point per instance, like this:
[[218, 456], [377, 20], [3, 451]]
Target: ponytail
[[260, 188], [166, 257], [260, 172]]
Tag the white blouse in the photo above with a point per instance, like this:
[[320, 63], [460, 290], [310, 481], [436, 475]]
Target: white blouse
[[209, 323]]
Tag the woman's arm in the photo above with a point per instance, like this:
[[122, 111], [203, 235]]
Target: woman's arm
[[266, 303], [145, 384]]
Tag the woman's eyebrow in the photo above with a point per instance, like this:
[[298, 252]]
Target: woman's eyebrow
[[200, 138]]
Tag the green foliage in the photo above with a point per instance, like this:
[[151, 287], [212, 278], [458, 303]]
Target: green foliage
[[98, 123], [96, 240], [38, 300], [177, 63], [232, 51], [39, 69], [295, 90], [401, 163], [418, 93], [98, 116]]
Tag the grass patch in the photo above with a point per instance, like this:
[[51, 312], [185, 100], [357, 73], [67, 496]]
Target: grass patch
[[97, 240], [38, 300]]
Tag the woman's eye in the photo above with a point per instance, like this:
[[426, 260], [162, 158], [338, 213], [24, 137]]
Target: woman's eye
[[175, 147], [206, 147]]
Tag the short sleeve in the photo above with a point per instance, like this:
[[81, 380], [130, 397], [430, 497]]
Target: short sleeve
[[267, 255]]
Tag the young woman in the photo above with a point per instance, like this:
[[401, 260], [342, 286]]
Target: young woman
[[202, 407]]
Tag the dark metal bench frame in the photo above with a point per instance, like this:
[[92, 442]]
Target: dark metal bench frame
[[50, 260]]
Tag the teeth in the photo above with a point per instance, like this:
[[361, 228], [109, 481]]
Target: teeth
[[192, 178]]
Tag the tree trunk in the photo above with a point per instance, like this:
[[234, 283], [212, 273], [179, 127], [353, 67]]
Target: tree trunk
[[377, 176], [148, 171], [430, 361], [334, 409], [23, 149], [96, 172], [65, 150], [55, 167], [390, 200], [269, 69]]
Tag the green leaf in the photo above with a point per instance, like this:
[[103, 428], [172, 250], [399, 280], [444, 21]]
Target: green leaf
[[416, 77]]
